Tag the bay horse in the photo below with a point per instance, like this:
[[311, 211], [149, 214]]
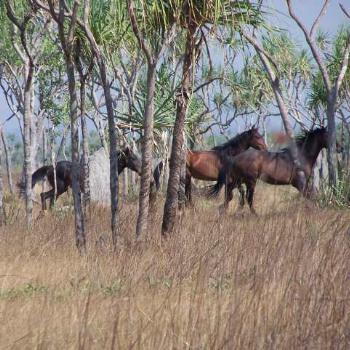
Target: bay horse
[[206, 165], [276, 168], [126, 159]]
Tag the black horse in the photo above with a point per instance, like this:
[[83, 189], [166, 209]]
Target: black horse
[[126, 159]]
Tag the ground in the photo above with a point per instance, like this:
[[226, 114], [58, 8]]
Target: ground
[[279, 280]]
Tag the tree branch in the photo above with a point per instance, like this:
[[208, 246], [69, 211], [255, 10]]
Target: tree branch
[[347, 14], [136, 30], [318, 18], [313, 47]]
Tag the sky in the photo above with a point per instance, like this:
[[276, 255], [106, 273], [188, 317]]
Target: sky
[[307, 11]]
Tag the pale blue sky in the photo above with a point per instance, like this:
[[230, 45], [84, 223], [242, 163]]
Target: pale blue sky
[[307, 10]]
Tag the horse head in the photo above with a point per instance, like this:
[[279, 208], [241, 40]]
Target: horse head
[[131, 160], [256, 140]]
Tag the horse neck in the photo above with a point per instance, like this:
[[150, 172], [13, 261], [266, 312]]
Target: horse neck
[[238, 148], [310, 150]]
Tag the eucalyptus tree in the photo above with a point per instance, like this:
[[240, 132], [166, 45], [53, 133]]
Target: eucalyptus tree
[[26, 40], [332, 83], [193, 16]]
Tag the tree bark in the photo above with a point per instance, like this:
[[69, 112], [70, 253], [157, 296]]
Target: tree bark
[[67, 46], [147, 150], [176, 158], [27, 122], [85, 142], [7, 161], [331, 141]]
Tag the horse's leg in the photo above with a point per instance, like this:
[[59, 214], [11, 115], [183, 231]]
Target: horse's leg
[[241, 191], [228, 196], [250, 195], [61, 188], [44, 196]]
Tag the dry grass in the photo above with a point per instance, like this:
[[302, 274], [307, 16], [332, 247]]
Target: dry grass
[[280, 280]]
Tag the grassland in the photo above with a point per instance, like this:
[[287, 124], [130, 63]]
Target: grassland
[[280, 280]]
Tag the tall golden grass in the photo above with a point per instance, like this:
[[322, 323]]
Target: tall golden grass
[[280, 280]]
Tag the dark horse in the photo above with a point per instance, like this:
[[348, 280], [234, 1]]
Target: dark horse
[[126, 159], [206, 165], [277, 168]]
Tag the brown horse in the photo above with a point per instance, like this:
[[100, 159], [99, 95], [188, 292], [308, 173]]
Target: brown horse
[[206, 165], [277, 168]]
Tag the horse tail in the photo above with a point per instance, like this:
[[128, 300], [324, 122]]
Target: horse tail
[[214, 190]]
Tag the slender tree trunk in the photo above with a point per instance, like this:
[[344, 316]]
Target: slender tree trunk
[[73, 104], [125, 184], [113, 151], [176, 158], [7, 161], [44, 156], [53, 160], [61, 147], [85, 141], [332, 139], [27, 122], [147, 149]]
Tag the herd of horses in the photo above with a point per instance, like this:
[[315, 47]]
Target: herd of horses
[[240, 161]]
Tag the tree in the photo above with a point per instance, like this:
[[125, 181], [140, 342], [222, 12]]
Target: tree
[[67, 43], [332, 84], [83, 76], [27, 56], [152, 53]]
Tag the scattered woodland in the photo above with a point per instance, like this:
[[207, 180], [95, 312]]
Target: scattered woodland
[[122, 108]]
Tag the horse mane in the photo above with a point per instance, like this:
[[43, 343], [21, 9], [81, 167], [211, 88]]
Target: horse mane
[[304, 137], [234, 142], [307, 135]]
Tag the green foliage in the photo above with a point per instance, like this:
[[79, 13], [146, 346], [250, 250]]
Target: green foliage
[[334, 51], [337, 196]]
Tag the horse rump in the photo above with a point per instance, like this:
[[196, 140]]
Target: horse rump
[[38, 175]]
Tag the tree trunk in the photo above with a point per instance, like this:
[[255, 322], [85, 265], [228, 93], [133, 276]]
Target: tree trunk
[[53, 160], [85, 141], [147, 149], [125, 184], [27, 122], [7, 161], [113, 152], [44, 156], [332, 139], [176, 158], [73, 104]]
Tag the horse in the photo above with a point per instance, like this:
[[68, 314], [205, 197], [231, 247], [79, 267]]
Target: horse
[[206, 165], [276, 168], [126, 159]]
